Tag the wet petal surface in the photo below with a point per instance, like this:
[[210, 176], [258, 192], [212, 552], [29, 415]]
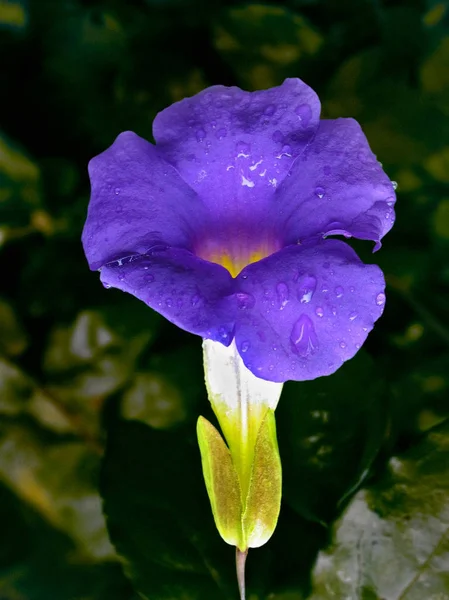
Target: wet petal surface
[[138, 201], [189, 292], [314, 307], [337, 187]]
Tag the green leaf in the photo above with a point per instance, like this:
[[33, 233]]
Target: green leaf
[[93, 358], [330, 431], [264, 43], [393, 540], [159, 517], [13, 339], [58, 481], [19, 190]]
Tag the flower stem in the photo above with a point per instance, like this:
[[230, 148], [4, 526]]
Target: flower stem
[[240, 560]]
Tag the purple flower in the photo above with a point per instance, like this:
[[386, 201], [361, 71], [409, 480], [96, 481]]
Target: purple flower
[[221, 226]]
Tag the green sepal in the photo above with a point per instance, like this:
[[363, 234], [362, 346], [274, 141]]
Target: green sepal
[[265, 490], [222, 483], [243, 522]]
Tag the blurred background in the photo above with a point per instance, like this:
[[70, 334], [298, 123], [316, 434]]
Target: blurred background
[[98, 394]]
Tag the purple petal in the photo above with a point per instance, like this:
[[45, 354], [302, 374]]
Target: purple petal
[[138, 201], [336, 187], [235, 147], [188, 291], [313, 308]]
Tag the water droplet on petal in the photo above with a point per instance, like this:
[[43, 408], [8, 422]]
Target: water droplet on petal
[[221, 133], [304, 113], [352, 289], [270, 110], [306, 289], [106, 285], [243, 150], [358, 346], [200, 135], [245, 347], [319, 311], [395, 185], [342, 344], [319, 191], [339, 291], [380, 299], [303, 336], [223, 333], [326, 265], [148, 277], [117, 191], [277, 136], [195, 300], [169, 302], [353, 316], [282, 294], [245, 301]]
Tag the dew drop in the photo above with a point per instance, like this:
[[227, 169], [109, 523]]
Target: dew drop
[[334, 311], [270, 110], [243, 150], [245, 347], [303, 337], [148, 277], [380, 299], [195, 300], [342, 344], [286, 149], [319, 191], [223, 333], [304, 113], [271, 367], [282, 294], [339, 291], [395, 185], [221, 133], [358, 346], [117, 191], [307, 289], [319, 311], [277, 136], [106, 285], [169, 302], [245, 301], [352, 289], [200, 135], [326, 265], [353, 316]]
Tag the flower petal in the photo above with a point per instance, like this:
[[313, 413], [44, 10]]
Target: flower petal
[[235, 147], [188, 291], [336, 187], [312, 309], [138, 201]]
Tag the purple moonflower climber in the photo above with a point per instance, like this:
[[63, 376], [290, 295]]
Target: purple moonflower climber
[[222, 227]]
